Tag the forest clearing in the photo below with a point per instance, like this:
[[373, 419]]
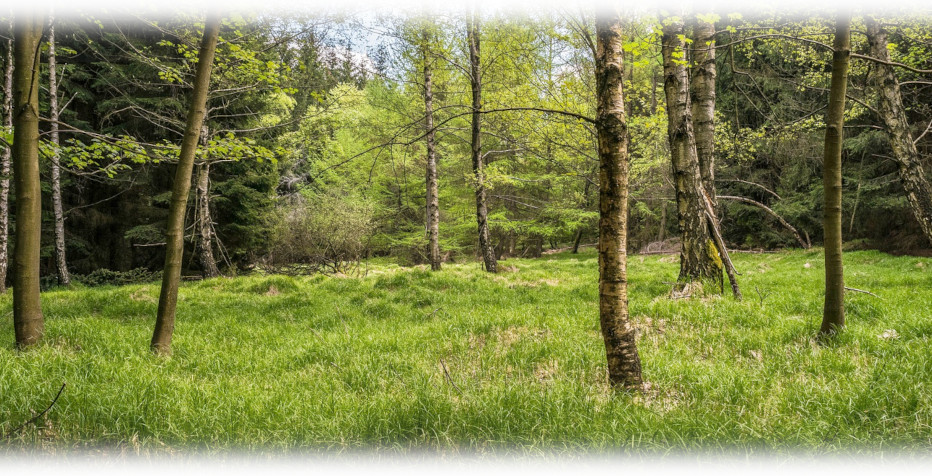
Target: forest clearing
[[461, 361], [610, 229]]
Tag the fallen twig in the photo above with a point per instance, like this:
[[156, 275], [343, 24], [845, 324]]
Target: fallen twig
[[861, 291], [43, 412], [446, 373]]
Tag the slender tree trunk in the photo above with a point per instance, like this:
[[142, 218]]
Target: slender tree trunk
[[702, 96], [618, 333], [890, 105], [205, 223], [61, 263], [482, 213], [653, 90], [5, 165], [27, 306], [433, 199], [662, 234], [700, 258], [833, 318], [577, 240], [171, 275], [585, 205]]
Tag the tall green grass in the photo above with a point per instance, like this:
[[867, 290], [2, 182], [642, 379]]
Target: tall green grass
[[275, 363]]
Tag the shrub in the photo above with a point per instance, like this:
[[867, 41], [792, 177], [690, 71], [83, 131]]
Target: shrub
[[321, 233]]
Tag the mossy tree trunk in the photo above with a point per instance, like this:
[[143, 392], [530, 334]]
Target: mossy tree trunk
[[171, 275], [27, 307], [433, 200], [482, 212], [618, 332], [833, 317], [700, 258], [890, 105]]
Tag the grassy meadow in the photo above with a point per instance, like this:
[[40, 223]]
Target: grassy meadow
[[463, 361]]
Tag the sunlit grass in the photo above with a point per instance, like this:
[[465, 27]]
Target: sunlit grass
[[333, 363]]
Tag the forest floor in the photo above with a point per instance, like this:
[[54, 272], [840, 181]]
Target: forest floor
[[461, 361]]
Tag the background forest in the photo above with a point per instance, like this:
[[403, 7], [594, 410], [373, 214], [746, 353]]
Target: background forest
[[314, 155]]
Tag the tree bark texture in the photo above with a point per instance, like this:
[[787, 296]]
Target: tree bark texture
[[618, 332], [702, 96], [205, 223], [27, 307], [482, 212], [890, 106], [700, 258], [171, 275], [833, 317], [5, 165], [61, 262], [433, 199]]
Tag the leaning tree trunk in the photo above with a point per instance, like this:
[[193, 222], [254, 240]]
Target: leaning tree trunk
[[5, 165], [61, 263], [618, 333], [205, 224], [700, 257], [27, 307], [702, 97], [833, 318], [890, 106], [171, 275], [482, 212], [433, 200]]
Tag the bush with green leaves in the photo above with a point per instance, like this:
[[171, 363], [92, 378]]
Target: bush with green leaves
[[319, 233]]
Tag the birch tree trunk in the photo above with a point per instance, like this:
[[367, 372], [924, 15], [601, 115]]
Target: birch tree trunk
[[205, 223], [890, 105], [618, 333], [171, 275], [61, 263], [5, 165], [482, 213], [433, 200], [700, 257], [27, 307], [833, 317], [702, 96]]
